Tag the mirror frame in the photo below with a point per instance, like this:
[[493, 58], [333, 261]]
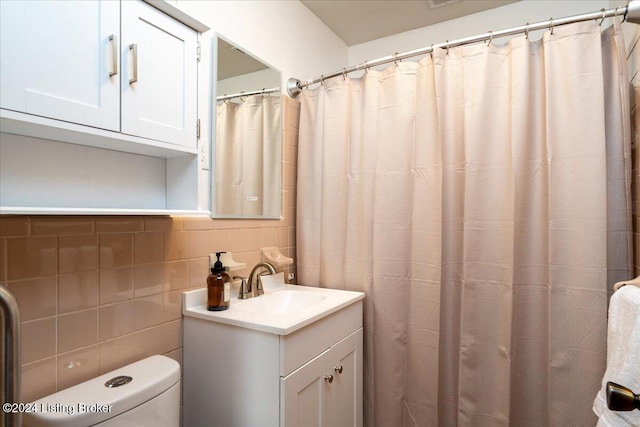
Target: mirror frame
[[214, 131]]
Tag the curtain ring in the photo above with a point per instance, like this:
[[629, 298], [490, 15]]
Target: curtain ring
[[322, 80], [241, 97], [366, 68], [447, 47], [616, 14], [604, 12], [344, 77], [526, 32], [490, 37], [551, 27], [395, 58], [431, 53]]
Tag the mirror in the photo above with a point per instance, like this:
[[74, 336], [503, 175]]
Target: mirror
[[248, 138]]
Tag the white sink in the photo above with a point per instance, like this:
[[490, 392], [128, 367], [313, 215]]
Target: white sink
[[284, 301], [282, 309]]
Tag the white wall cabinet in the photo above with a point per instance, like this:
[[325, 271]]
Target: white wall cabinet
[[159, 82], [236, 376], [86, 62], [98, 74], [56, 60]]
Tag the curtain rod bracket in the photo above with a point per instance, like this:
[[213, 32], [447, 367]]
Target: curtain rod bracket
[[293, 87], [633, 12]]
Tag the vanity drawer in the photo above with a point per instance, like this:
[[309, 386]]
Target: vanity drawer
[[303, 345]]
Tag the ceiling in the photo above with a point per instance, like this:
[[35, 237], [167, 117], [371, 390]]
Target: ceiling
[[359, 21]]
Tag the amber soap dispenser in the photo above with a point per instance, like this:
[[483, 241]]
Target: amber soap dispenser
[[218, 287]]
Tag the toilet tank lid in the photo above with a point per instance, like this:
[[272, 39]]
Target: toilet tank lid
[[91, 402]]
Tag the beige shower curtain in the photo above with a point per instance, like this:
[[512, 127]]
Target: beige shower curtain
[[481, 199], [247, 157]]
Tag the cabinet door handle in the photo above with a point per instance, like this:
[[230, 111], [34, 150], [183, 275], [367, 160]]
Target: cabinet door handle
[[113, 39], [338, 369], [328, 378], [134, 49]]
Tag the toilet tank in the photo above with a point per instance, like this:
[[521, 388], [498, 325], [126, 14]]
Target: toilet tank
[[151, 397]]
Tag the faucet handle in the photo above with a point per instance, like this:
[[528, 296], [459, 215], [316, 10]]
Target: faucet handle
[[244, 292], [259, 288]]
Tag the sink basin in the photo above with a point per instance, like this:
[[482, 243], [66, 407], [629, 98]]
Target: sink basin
[[284, 301], [282, 309]]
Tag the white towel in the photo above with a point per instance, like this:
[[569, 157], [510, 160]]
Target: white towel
[[623, 356]]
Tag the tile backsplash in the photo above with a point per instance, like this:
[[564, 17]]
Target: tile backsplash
[[96, 293]]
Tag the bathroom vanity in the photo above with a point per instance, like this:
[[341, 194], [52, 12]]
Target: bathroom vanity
[[291, 357]]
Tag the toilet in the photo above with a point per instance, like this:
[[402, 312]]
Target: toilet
[[145, 393]]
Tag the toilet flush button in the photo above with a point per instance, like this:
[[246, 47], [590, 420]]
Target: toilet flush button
[[118, 381]]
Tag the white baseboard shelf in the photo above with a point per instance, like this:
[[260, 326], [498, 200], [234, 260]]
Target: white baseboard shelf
[[22, 210], [14, 122]]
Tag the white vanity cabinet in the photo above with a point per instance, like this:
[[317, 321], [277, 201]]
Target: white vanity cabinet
[[99, 108], [241, 371], [324, 391]]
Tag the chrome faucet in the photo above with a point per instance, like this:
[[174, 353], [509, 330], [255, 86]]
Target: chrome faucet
[[246, 288]]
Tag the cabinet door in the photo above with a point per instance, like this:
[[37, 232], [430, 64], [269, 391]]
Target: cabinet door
[[159, 76], [344, 393], [302, 395], [327, 391], [59, 59]]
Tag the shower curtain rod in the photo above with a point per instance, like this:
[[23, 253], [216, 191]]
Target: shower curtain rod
[[631, 13], [253, 92]]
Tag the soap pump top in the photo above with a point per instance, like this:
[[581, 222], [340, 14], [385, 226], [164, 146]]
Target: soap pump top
[[217, 266], [218, 287]]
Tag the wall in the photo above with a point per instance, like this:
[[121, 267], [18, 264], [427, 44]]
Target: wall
[[635, 126], [284, 34], [634, 71], [97, 293]]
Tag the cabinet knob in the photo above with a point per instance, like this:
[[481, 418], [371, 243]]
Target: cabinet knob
[[338, 369], [328, 378]]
